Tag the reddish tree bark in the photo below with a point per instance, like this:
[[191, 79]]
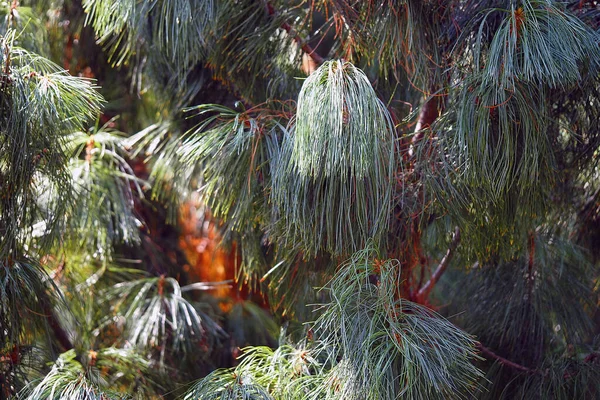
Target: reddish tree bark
[[318, 59]]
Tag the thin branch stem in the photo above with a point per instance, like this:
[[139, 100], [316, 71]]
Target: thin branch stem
[[317, 58], [427, 116], [11, 14], [485, 351], [426, 289]]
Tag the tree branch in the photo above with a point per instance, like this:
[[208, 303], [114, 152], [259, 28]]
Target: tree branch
[[426, 289], [428, 114], [316, 57], [484, 350]]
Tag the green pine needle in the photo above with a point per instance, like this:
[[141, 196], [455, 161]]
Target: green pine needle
[[387, 346], [159, 318], [332, 184], [233, 150], [540, 43], [26, 293], [103, 210], [40, 105], [67, 380], [227, 385], [540, 299], [176, 28], [493, 162]]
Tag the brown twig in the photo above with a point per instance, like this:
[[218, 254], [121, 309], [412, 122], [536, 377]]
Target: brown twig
[[428, 114], [317, 58], [426, 289], [11, 14], [485, 351]]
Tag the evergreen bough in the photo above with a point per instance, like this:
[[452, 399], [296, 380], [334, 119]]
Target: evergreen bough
[[332, 184], [413, 119]]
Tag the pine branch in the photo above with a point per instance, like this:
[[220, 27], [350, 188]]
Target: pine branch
[[406, 343], [158, 316], [317, 58], [11, 13], [426, 289], [332, 177], [66, 380], [484, 350], [429, 113]]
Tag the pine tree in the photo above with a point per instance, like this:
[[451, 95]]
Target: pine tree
[[408, 192]]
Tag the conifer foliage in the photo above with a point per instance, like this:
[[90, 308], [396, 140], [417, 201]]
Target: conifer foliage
[[401, 199]]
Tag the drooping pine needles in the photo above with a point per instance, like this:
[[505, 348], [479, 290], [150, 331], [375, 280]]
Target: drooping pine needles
[[332, 183]]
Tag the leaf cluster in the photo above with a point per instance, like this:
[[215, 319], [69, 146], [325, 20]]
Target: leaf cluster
[[332, 181], [243, 44], [103, 184], [32, 161], [367, 344], [389, 346], [26, 296], [157, 316]]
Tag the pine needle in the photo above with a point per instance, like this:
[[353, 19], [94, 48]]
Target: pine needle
[[332, 183]]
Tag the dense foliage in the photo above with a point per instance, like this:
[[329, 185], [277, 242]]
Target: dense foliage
[[324, 199]]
